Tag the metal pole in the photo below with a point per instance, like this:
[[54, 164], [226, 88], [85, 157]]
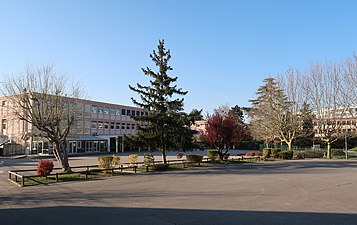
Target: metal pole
[[346, 146]]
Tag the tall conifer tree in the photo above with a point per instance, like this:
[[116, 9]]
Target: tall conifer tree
[[161, 125]]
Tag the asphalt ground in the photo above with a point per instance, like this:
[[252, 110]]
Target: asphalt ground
[[281, 192]]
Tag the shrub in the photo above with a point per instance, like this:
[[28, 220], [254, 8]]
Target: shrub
[[298, 155], [179, 155], [338, 153], [149, 159], [44, 167], [313, 153], [194, 158], [275, 152], [160, 167], [266, 152], [226, 156], [108, 162], [212, 154], [286, 154], [250, 154], [133, 159]]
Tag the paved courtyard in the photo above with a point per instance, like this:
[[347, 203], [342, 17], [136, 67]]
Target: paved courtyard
[[284, 192]]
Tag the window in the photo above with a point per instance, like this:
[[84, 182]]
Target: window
[[117, 126], [123, 112], [3, 103], [94, 109], [123, 126], [142, 113], [128, 112], [117, 112], [106, 125], [138, 113], [128, 126], [3, 124], [94, 125], [100, 109], [112, 125], [106, 110], [133, 112], [133, 126], [100, 125], [112, 111]]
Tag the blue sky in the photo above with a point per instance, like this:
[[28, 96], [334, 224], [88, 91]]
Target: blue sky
[[221, 50]]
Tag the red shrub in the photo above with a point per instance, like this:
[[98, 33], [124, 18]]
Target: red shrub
[[45, 167]]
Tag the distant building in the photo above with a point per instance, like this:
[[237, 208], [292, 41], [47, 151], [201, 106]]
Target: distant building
[[100, 127], [200, 126]]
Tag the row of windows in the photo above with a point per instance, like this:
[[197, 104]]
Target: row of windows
[[116, 111], [112, 125]]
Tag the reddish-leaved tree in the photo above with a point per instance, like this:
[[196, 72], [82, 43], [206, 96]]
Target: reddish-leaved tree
[[223, 131]]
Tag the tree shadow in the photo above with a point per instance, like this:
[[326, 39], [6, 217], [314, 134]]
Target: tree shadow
[[81, 215]]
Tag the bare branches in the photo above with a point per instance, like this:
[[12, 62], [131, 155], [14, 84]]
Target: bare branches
[[43, 98]]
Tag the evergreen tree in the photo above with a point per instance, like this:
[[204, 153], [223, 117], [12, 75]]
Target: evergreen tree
[[306, 133], [238, 111], [272, 115], [164, 122]]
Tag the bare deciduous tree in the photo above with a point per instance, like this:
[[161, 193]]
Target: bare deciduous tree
[[327, 98], [42, 98]]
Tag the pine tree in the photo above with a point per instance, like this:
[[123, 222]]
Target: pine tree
[[164, 121]]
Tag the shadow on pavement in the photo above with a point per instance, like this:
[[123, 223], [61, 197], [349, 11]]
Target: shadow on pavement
[[275, 167], [78, 215]]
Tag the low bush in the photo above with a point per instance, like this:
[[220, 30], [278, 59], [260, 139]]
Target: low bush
[[298, 155], [194, 158], [314, 153], [286, 154], [213, 154], [266, 152], [275, 152], [149, 159], [108, 162], [44, 167], [251, 153], [226, 156], [160, 167], [338, 153], [179, 155], [133, 159]]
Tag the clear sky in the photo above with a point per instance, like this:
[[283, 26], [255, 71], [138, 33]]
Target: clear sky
[[221, 50]]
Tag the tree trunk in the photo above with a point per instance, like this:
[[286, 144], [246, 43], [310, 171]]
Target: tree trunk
[[220, 153], [163, 153], [329, 152], [61, 155], [289, 145]]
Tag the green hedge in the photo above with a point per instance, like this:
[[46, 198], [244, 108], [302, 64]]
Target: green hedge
[[275, 151], [298, 155], [314, 153], [338, 153], [286, 155]]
